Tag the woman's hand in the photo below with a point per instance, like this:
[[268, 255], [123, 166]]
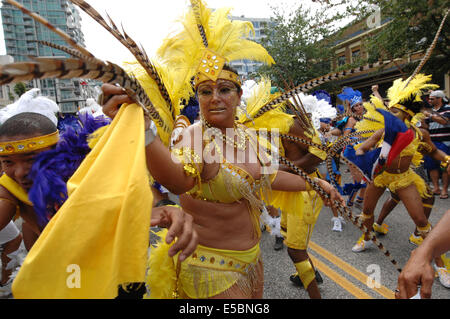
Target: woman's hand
[[330, 190], [180, 226], [112, 98]]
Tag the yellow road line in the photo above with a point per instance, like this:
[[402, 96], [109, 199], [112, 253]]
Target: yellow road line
[[341, 281], [382, 290]]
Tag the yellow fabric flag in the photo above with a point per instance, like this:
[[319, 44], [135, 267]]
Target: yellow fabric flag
[[99, 238]]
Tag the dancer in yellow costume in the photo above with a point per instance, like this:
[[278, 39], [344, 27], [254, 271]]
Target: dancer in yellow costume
[[405, 103], [223, 194], [300, 210]]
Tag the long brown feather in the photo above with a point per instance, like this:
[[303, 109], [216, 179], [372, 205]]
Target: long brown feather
[[130, 44], [427, 55], [107, 72], [309, 85], [344, 211], [58, 31]]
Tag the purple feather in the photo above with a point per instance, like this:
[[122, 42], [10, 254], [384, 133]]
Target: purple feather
[[53, 168]]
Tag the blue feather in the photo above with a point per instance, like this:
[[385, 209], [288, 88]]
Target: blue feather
[[53, 168]]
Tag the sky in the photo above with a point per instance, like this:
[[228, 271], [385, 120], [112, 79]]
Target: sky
[[148, 22]]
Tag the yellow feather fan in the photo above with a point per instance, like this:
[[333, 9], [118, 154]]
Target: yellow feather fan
[[372, 120]]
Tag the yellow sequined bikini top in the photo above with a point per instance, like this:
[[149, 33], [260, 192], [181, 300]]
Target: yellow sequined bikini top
[[231, 184]]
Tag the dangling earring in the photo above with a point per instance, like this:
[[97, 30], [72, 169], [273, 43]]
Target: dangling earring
[[243, 109]]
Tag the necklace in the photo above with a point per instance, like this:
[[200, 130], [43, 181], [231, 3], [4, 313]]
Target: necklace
[[241, 144]]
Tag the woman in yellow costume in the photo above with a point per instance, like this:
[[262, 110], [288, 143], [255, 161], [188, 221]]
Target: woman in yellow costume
[[392, 170], [221, 178]]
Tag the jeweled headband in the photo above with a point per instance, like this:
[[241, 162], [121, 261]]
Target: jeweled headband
[[29, 144]]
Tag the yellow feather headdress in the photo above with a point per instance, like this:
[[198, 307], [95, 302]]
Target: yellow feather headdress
[[209, 39], [406, 94]]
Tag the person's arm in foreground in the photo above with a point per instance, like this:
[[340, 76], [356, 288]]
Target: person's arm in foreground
[[418, 270]]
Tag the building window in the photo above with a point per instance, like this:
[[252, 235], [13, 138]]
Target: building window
[[341, 60], [356, 54]]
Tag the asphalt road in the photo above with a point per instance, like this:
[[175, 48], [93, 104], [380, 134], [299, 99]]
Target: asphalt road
[[344, 272]]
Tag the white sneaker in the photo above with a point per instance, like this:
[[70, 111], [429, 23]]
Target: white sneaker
[[362, 245], [444, 276], [337, 224], [342, 220], [5, 290]]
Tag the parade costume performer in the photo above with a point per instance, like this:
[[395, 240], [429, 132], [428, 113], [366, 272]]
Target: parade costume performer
[[299, 210], [388, 166], [37, 165], [19, 145], [353, 100], [108, 203], [227, 262]]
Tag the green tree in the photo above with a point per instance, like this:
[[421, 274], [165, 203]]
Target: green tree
[[20, 88], [411, 27], [294, 42]]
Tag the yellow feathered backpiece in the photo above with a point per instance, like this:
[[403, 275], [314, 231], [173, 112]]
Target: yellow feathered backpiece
[[275, 118], [208, 40], [372, 120]]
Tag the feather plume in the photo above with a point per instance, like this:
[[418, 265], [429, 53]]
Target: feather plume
[[86, 65], [138, 52], [53, 168], [427, 55], [107, 72], [311, 84], [200, 15], [398, 93], [183, 51]]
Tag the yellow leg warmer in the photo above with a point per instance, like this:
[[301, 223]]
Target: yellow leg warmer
[[427, 205], [305, 272], [423, 231]]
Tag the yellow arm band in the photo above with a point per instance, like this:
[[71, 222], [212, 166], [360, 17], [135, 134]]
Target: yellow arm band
[[192, 162], [446, 161]]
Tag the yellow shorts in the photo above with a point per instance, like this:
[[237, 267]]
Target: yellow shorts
[[299, 213]]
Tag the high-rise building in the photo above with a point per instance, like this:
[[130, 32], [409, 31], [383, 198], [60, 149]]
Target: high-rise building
[[246, 68], [22, 34]]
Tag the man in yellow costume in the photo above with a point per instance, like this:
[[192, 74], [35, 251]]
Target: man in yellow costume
[[300, 210]]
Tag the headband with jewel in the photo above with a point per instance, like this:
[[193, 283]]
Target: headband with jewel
[[28, 145]]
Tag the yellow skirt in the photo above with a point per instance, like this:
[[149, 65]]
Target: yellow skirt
[[206, 273], [209, 271], [395, 181]]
